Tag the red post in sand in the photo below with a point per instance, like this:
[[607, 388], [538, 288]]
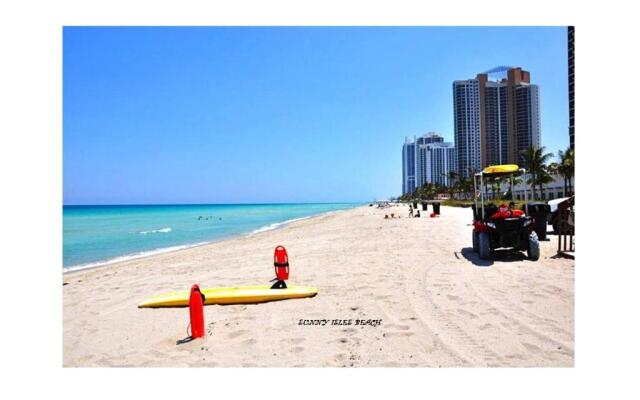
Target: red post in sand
[[196, 312]]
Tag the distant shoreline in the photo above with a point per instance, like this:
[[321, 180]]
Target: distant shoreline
[[171, 249]]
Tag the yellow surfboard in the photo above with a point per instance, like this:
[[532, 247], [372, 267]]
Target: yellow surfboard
[[231, 295]]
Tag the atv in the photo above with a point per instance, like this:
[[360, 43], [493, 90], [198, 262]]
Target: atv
[[512, 229]]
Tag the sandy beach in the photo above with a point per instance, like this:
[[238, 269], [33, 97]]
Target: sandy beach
[[437, 304]]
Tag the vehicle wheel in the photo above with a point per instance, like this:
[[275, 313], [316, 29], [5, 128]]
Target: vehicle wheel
[[484, 248], [474, 240], [533, 249]]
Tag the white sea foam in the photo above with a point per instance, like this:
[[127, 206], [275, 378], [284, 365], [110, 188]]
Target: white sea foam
[[269, 227], [130, 257], [163, 230], [277, 225], [142, 254]]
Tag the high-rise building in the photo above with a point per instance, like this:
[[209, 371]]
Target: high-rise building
[[440, 160], [408, 166], [526, 121], [422, 145], [570, 46], [429, 138], [466, 125], [495, 120], [426, 159]]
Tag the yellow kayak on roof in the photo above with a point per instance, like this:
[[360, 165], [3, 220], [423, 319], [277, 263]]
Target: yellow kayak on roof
[[231, 295]]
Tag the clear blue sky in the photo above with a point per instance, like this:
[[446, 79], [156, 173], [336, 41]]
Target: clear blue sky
[[286, 114]]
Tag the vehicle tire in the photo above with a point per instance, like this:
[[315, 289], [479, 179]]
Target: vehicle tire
[[474, 240], [533, 249], [484, 247]]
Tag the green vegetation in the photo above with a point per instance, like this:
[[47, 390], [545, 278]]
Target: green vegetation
[[535, 163], [460, 187], [468, 203], [566, 168], [461, 191], [457, 203]]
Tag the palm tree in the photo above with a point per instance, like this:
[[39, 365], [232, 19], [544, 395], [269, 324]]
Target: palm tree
[[544, 177], [553, 168], [464, 184], [498, 183], [566, 168], [534, 161], [452, 177], [495, 182], [512, 181], [461, 186], [430, 190]]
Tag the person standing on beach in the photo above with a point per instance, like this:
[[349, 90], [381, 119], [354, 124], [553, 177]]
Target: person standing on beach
[[410, 210]]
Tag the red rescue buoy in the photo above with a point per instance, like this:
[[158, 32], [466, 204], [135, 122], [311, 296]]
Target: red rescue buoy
[[281, 263], [196, 312]]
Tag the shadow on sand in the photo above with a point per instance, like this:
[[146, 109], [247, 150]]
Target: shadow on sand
[[496, 255], [185, 340]]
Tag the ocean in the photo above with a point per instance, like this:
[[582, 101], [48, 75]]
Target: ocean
[[100, 235]]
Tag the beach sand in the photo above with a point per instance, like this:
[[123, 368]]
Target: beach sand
[[438, 304]]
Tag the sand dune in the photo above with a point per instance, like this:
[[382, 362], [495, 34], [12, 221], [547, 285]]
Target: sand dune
[[436, 303]]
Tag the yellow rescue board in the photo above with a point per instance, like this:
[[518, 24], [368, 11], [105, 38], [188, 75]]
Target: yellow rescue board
[[501, 169], [231, 295]]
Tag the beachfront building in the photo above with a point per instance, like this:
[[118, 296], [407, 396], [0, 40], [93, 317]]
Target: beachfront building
[[571, 62], [496, 117], [408, 166], [466, 125], [440, 160], [433, 160], [423, 167], [550, 191]]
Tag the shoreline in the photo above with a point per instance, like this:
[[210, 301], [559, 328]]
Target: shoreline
[[171, 249], [434, 302]]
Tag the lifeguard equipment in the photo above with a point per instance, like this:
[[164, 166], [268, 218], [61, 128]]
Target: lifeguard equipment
[[196, 312], [231, 295], [281, 265], [501, 227], [500, 169], [505, 212]]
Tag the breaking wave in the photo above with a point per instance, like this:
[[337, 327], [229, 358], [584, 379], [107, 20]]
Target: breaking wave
[[163, 230]]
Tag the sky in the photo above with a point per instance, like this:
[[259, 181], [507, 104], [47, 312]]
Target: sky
[[173, 115]]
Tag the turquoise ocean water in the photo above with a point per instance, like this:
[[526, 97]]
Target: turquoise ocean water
[[95, 235]]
